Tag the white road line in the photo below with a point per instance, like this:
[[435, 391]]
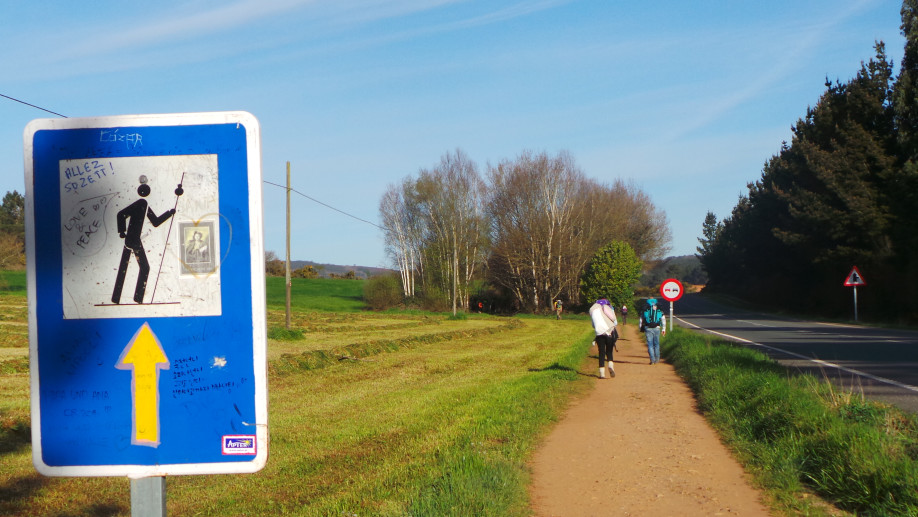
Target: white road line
[[755, 323], [817, 361], [843, 325]]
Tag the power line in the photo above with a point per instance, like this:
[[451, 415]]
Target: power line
[[32, 105], [268, 182], [326, 205]]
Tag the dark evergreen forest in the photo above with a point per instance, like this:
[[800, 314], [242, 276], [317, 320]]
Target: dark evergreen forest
[[842, 193]]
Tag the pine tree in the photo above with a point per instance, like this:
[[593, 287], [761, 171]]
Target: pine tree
[[710, 229], [904, 186], [822, 202]]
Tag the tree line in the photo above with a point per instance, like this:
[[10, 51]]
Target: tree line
[[524, 231], [12, 231], [842, 193]]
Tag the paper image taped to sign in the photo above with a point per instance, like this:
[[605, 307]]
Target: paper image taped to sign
[[140, 237]]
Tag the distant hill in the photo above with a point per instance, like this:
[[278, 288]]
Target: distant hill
[[326, 270]]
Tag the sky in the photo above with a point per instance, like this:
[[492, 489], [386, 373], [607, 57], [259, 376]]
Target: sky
[[687, 100]]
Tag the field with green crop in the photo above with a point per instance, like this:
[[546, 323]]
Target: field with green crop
[[369, 414]]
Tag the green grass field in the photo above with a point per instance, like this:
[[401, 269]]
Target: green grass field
[[369, 414]]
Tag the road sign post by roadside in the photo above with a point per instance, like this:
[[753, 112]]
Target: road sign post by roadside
[[146, 295], [671, 290], [854, 279]]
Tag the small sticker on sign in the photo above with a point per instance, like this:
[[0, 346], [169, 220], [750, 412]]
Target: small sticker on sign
[[239, 444]]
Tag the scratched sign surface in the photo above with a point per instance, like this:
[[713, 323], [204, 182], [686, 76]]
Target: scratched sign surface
[[146, 295], [95, 195]]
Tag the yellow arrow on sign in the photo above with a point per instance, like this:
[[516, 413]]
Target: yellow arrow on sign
[[144, 355]]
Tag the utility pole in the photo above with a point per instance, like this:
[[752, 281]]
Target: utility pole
[[288, 246]]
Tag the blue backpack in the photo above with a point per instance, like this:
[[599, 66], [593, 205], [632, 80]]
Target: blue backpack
[[652, 317]]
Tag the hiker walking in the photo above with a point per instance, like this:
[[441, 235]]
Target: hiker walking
[[130, 227], [624, 314], [604, 322], [558, 308], [653, 324]]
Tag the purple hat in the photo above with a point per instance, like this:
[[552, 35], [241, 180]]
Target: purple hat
[[602, 301]]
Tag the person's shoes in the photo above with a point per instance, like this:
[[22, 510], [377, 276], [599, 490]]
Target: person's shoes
[[602, 373], [611, 370]]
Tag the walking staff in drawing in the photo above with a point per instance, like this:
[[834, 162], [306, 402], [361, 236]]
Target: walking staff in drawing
[[130, 226]]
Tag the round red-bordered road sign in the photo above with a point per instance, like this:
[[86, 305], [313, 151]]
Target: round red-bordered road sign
[[671, 290]]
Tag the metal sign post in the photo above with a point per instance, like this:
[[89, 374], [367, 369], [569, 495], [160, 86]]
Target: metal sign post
[[671, 290], [148, 497], [671, 315], [124, 383], [855, 303]]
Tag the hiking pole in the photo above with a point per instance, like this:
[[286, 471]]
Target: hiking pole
[[178, 194]]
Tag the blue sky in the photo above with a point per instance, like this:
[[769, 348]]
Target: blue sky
[[686, 99]]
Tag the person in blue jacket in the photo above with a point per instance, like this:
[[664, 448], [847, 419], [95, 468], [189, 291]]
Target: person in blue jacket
[[653, 325]]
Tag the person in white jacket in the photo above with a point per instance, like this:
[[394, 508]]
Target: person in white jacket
[[604, 322]]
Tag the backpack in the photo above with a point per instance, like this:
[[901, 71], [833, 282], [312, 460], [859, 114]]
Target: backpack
[[652, 317]]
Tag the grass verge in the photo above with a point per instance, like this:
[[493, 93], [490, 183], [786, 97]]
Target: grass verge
[[798, 435]]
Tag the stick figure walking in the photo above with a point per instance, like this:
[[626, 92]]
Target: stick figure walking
[[130, 226]]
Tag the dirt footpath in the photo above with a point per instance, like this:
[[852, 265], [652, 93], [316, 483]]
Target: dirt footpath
[[636, 445]]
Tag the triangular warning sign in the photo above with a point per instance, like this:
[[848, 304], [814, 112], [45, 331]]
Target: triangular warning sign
[[855, 278]]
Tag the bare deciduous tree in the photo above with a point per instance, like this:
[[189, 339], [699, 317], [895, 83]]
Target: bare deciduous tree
[[400, 238], [532, 208], [548, 220], [539, 225], [449, 201], [435, 227]]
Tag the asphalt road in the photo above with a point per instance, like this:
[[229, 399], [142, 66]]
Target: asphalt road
[[883, 363]]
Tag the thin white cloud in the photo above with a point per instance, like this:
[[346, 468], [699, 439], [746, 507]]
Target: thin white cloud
[[177, 27], [804, 40], [501, 15], [179, 37]]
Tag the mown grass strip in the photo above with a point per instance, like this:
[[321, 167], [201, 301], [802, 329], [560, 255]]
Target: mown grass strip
[[313, 359], [797, 434], [437, 428], [14, 365]]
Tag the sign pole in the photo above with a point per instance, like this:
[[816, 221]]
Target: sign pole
[[148, 497], [855, 304], [671, 315]]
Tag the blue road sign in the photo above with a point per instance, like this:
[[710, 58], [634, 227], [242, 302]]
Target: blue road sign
[[146, 295]]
